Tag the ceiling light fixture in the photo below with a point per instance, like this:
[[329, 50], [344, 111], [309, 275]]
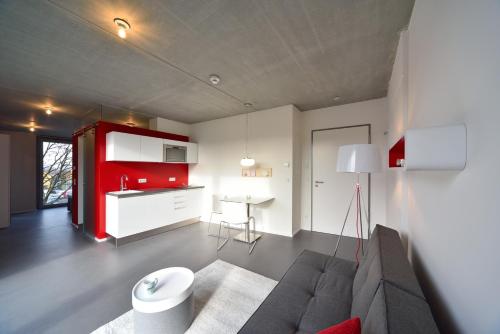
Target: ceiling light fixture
[[336, 98], [32, 128], [130, 123], [48, 111], [123, 26], [214, 79]]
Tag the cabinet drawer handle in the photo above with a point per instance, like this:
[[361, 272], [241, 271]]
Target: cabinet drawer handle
[[180, 207], [180, 202]]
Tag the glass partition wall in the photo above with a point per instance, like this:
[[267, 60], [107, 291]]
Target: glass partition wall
[[55, 171]]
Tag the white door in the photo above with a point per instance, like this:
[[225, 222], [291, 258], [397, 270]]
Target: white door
[[332, 191]]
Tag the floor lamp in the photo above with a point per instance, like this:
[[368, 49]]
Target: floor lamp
[[358, 158]]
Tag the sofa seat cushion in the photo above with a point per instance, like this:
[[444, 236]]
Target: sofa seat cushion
[[315, 293]]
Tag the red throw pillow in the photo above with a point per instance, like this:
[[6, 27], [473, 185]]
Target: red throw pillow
[[351, 326]]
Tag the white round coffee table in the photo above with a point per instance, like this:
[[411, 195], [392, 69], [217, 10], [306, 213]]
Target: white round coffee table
[[163, 301]]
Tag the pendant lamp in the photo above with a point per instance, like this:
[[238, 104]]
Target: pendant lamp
[[247, 161]]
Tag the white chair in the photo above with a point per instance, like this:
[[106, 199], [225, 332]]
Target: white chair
[[216, 210], [234, 216]]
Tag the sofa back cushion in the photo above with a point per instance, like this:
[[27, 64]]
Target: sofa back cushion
[[385, 260], [394, 310]]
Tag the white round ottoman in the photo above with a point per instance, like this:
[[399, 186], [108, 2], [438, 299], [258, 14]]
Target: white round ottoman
[[163, 301]]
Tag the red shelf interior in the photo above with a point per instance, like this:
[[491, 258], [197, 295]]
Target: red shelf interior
[[397, 152]]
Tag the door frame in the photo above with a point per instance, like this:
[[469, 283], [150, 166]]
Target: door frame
[[39, 168], [312, 165]]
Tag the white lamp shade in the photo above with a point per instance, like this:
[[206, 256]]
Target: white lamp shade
[[247, 162], [358, 158]]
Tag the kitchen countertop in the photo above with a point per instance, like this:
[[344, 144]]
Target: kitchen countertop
[[151, 191]]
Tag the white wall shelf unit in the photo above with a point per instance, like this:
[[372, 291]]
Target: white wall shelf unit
[[436, 148]]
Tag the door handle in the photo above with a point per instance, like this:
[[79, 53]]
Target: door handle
[[319, 182]]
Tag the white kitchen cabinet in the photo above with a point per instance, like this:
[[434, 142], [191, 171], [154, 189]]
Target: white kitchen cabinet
[[194, 200], [151, 149], [192, 153], [123, 147], [131, 215], [180, 200]]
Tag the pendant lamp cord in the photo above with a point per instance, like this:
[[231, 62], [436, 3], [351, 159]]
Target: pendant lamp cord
[[246, 137]]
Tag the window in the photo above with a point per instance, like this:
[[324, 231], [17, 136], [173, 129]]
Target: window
[[55, 173]]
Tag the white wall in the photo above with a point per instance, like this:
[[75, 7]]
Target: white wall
[[453, 217], [397, 100], [23, 171], [372, 112], [297, 138], [222, 145], [166, 125]]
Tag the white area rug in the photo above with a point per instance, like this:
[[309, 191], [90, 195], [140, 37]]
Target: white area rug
[[225, 297]]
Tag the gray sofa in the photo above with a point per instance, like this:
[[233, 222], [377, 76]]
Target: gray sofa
[[319, 291]]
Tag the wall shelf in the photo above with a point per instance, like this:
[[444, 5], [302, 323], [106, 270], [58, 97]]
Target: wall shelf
[[435, 148], [397, 154], [257, 172]]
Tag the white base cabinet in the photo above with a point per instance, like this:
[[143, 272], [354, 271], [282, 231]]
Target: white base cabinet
[[127, 216]]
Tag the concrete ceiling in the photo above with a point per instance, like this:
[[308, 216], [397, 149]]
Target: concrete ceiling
[[269, 53]]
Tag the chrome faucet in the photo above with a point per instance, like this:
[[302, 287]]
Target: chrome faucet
[[123, 185]]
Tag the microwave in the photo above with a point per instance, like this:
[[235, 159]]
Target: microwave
[[174, 153]]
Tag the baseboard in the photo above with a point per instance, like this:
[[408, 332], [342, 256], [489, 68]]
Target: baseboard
[[146, 234]]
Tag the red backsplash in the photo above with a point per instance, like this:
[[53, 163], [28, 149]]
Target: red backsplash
[[108, 173], [157, 175]]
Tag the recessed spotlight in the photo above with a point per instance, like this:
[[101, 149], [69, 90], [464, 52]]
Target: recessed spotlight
[[48, 111], [214, 79], [336, 98], [248, 105], [123, 26], [32, 129]]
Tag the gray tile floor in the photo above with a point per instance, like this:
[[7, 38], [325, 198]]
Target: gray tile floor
[[55, 280]]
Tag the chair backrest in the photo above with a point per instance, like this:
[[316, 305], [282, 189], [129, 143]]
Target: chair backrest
[[216, 204], [234, 213]]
